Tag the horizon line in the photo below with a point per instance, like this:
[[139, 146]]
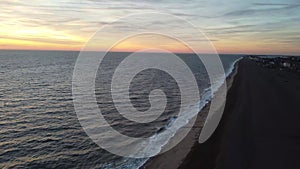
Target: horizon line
[[58, 50]]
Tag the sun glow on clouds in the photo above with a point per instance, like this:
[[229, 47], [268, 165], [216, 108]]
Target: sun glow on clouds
[[151, 42], [38, 38], [234, 26]]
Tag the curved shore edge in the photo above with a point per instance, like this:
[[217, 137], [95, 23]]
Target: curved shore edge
[[173, 158]]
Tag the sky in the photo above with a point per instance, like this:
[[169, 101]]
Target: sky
[[233, 26]]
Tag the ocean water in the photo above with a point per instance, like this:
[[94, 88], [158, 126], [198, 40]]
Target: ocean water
[[38, 124]]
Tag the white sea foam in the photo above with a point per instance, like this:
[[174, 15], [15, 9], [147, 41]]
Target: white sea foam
[[175, 124], [183, 120]]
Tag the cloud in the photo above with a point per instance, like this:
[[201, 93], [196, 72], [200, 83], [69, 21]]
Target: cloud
[[240, 12], [43, 40], [274, 8], [232, 19], [270, 4]]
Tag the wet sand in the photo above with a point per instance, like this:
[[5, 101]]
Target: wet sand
[[173, 158]]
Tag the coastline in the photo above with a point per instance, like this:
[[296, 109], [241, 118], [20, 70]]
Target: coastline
[[175, 157], [259, 125]]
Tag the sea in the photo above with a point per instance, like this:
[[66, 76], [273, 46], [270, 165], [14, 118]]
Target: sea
[[39, 127]]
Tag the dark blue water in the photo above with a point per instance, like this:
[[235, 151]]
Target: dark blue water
[[38, 124]]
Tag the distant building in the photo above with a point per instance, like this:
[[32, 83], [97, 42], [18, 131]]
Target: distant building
[[286, 64]]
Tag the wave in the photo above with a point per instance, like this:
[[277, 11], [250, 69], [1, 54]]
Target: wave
[[174, 123], [182, 121]]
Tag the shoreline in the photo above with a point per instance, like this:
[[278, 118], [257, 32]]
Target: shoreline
[[174, 158], [259, 127]]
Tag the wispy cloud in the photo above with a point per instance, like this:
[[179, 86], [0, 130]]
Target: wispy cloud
[[271, 4], [226, 23], [272, 9]]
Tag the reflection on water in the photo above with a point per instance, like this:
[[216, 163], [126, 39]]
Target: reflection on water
[[39, 128]]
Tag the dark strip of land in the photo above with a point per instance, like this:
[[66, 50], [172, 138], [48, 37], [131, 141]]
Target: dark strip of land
[[260, 127]]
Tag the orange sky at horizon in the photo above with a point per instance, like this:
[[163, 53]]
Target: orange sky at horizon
[[36, 40], [221, 48], [234, 28]]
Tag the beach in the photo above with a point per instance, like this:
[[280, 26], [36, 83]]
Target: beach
[[150, 84], [259, 127], [176, 156]]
